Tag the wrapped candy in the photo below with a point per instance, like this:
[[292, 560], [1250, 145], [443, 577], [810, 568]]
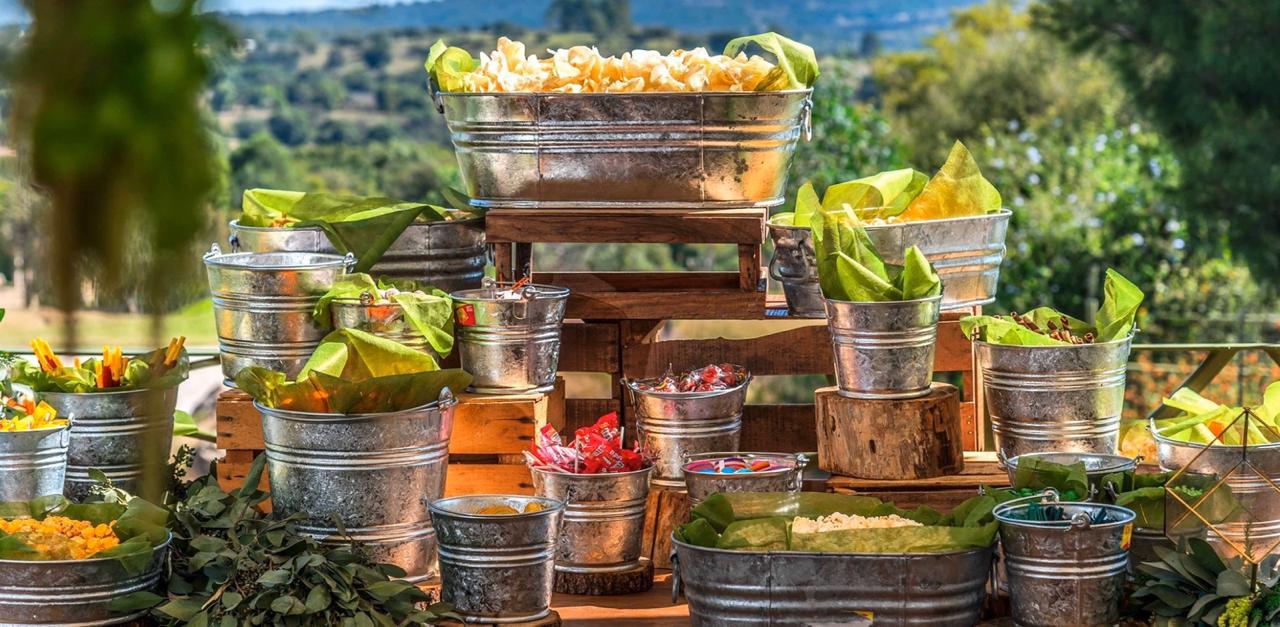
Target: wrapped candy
[[595, 449], [711, 378], [732, 465]]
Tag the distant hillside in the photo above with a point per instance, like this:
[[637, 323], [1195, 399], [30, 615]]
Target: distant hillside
[[826, 24]]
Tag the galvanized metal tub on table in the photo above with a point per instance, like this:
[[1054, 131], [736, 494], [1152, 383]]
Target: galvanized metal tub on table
[[385, 320], [636, 151], [603, 518], [1257, 526], [1096, 465], [675, 425], [377, 473], [1065, 573], [73, 592], [884, 350], [495, 568], [1054, 398], [124, 434], [795, 266], [789, 477], [798, 588], [510, 346], [449, 255], [32, 463], [263, 304]]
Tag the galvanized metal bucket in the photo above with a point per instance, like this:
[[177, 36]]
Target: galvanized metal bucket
[[375, 473], [510, 346], [1260, 529], [675, 425], [382, 319], [1054, 398], [495, 568], [73, 592], [795, 266], [1065, 573], [801, 589], [125, 434], [788, 477], [1096, 465], [449, 255], [626, 151], [966, 253], [884, 350], [32, 463], [603, 518], [262, 306]]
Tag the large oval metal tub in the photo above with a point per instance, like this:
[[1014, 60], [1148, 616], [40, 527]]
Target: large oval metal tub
[[448, 255], [801, 589], [376, 474], [626, 151], [72, 592]]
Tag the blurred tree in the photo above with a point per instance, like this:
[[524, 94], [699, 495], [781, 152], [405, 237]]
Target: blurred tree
[[335, 59], [1205, 73], [333, 131], [290, 126], [377, 53], [262, 162], [869, 46], [599, 17]]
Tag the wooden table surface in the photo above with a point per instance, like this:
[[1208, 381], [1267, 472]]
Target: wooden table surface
[[647, 608]]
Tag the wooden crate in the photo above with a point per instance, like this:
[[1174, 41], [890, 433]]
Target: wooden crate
[[489, 434], [638, 295]]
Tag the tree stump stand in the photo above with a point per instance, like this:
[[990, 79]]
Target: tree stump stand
[[668, 508], [638, 578], [915, 438]]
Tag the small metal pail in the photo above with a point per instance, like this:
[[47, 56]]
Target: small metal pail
[[73, 592], [376, 473], [385, 320], [603, 517], [1065, 573], [125, 434], [795, 266], [449, 255], [626, 151], [788, 478], [1096, 465], [965, 252], [510, 345], [884, 350], [496, 568], [675, 425], [1255, 525], [800, 589], [1054, 398], [262, 306], [32, 463]]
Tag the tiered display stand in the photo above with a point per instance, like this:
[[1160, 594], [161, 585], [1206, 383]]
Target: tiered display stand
[[614, 323]]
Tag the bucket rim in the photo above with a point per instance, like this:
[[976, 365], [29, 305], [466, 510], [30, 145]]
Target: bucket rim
[[577, 476], [1163, 439], [129, 392], [88, 560], [235, 225], [542, 291], [793, 458], [511, 95], [438, 506], [1001, 513], [886, 303], [41, 430], [310, 416], [633, 384], [996, 346], [1119, 462], [999, 215], [978, 549], [325, 260]]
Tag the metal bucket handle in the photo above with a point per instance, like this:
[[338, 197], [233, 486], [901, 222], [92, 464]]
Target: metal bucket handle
[[433, 90], [234, 240], [675, 576], [349, 263], [214, 251], [806, 119], [797, 478]]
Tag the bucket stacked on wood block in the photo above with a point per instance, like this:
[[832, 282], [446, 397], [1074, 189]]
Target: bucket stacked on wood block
[[374, 473], [263, 303], [510, 345], [884, 350]]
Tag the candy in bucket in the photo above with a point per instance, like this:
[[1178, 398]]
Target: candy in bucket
[[595, 449]]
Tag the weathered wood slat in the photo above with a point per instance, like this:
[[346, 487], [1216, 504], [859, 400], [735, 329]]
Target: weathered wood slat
[[726, 226], [589, 347]]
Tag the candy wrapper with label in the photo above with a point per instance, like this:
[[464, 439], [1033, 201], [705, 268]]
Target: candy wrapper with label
[[594, 449], [711, 378]]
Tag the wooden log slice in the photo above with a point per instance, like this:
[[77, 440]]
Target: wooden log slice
[[913, 438], [638, 578], [667, 509]]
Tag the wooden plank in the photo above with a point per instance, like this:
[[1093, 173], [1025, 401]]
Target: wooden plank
[[725, 226], [589, 347], [639, 281], [692, 304], [778, 429], [802, 350], [980, 468], [749, 267], [483, 424], [581, 412]]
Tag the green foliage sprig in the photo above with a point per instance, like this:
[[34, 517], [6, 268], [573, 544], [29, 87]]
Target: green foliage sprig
[[232, 565], [1196, 586]]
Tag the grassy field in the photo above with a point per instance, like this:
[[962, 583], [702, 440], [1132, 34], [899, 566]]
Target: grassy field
[[95, 328]]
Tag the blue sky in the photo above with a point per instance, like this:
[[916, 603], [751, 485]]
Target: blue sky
[[11, 10]]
